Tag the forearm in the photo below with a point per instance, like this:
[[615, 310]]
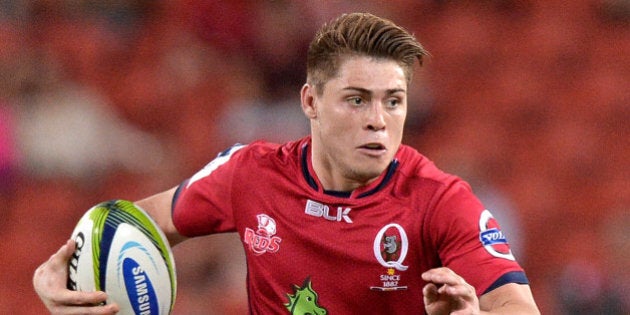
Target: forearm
[[509, 299], [513, 309], [159, 208]]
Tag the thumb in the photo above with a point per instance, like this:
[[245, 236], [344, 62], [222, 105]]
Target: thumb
[[62, 256]]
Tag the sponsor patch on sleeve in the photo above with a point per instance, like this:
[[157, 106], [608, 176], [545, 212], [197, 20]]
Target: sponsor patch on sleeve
[[492, 238]]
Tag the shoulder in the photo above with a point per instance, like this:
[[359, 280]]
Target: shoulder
[[243, 158], [428, 187], [263, 152], [417, 168]]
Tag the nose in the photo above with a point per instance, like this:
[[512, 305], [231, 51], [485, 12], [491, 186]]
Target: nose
[[375, 119]]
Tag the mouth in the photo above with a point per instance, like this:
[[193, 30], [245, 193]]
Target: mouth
[[373, 148]]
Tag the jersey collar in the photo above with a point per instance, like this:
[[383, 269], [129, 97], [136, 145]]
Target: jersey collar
[[361, 192]]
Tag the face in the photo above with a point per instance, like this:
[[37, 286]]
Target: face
[[357, 122]]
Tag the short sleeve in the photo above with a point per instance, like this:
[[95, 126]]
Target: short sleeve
[[469, 240], [203, 204]]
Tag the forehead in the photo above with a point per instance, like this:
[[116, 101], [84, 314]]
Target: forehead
[[369, 73]]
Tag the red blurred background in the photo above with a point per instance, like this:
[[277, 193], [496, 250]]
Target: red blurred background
[[527, 100]]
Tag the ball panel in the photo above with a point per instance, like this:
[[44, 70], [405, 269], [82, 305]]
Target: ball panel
[[97, 215], [143, 280], [128, 212], [81, 271], [149, 227], [122, 251]]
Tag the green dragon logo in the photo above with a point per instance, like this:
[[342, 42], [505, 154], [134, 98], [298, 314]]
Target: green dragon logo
[[304, 300]]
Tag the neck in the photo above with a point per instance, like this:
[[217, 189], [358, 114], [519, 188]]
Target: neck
[[331, 176]]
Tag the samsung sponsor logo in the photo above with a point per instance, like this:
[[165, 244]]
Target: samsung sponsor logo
[[140, 290]]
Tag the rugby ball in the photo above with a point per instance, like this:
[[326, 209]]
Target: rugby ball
[[122, 251]]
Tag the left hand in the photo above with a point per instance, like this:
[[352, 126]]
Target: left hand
[[448, 293]]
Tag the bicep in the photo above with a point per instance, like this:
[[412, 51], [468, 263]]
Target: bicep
[[159, 207], [510, 298]]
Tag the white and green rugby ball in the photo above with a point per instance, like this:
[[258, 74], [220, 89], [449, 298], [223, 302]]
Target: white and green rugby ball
[[122, 251]]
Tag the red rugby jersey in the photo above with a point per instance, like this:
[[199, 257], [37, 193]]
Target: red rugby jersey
[[315, 251]]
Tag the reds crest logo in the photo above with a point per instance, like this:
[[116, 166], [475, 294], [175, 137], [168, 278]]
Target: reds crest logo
[[391, 246], [263, 240]]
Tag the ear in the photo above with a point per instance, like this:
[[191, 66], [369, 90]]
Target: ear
[[308, 97]]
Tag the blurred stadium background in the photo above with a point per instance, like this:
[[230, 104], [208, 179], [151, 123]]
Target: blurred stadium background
[[527, 100]]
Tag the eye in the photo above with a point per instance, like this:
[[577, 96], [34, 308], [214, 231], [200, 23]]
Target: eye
[[393, 103], [355, 101]]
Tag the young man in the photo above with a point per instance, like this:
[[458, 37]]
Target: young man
[[348, 214]]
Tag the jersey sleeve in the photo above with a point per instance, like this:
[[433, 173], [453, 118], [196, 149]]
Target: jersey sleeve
[[470, 241], [202, 204]]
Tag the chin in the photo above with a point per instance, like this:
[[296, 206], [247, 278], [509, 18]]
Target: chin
[[368, 174]]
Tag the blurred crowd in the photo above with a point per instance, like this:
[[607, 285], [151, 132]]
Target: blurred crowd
[[527, 100]]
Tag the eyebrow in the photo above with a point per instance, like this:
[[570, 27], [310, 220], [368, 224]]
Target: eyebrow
[[366, 91]]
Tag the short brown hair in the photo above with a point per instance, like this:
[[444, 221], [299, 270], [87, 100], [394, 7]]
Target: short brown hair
[[360, 34]]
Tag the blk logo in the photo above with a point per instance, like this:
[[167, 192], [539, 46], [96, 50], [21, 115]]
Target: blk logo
[[319, 210]]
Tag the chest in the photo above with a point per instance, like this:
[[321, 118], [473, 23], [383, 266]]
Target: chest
[[340, 252]]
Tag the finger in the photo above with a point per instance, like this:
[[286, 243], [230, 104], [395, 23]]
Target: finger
[[442, 275], [449, 283], [69, 297], [77, 302], [463, 291], [93, 310], [430, 293], [62, 256], [60, 297], [52, 271]]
